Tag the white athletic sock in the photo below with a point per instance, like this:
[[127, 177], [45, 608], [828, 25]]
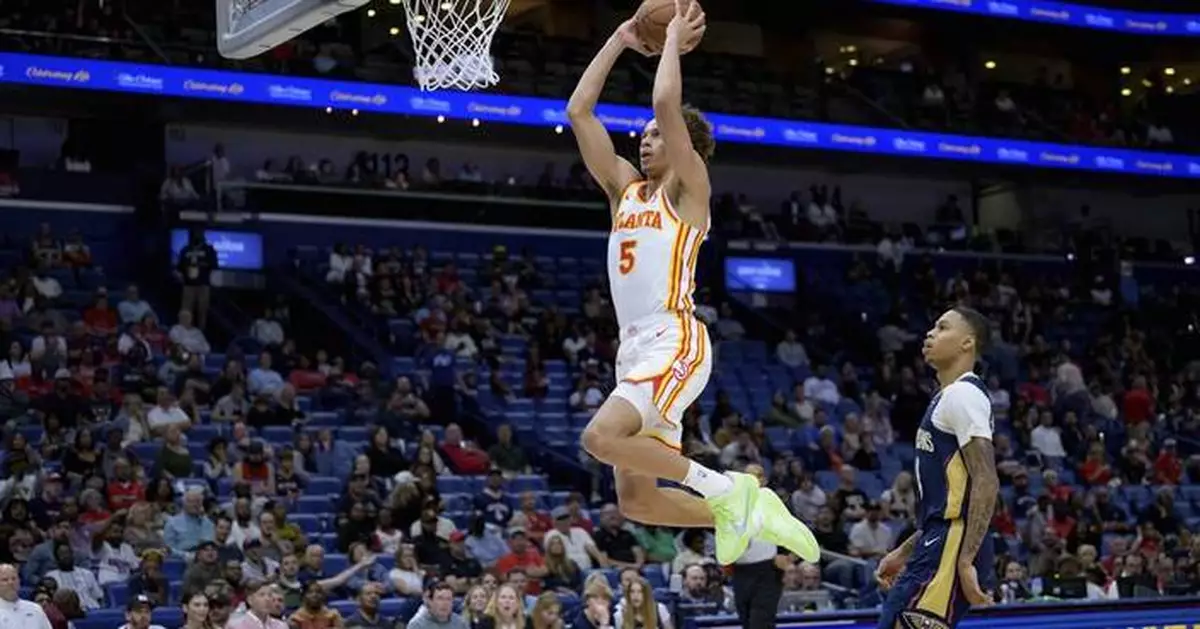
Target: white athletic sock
[[706, 482]]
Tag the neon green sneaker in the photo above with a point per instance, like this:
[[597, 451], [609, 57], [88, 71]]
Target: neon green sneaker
[[735, 517], [781, 528]]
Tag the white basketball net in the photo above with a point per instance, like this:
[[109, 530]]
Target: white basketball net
[[453, 40], [238, 10]]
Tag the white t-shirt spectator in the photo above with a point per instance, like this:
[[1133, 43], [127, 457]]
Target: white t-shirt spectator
[[178, 190], [338, 265], [1156, 134], [134, 311], [576, 545], [83, 582], [462, 345], [267, 331], [115, 564], [159, 417], [791, 353], [1048, 441], [127, 342], [731, 329], [190, 338], [47, 287], [893, 338], [40, 345], [870, 540], [822, 216], [572, 346], [821, 390], [806, 504]]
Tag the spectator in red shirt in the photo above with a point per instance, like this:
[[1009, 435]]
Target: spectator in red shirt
[[124, 490], [1056, 490], [524, 556], [101, 319], [1138, 403], [462, 456], [1168, 468], [535, 522], [1061, 521], [1096, 470]]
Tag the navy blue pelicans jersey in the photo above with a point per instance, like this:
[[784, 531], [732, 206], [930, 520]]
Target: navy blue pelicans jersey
[[927, 594]]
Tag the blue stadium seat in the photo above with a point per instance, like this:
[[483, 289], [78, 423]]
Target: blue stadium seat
[[323, 486], [315, 505]]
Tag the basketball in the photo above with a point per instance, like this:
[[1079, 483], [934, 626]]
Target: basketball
[[652, 18]]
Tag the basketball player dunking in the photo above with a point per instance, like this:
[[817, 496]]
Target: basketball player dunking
[[660, 219], [943, 567]]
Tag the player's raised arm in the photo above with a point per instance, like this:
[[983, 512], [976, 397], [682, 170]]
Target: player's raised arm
[[611, 171], [687, 26]]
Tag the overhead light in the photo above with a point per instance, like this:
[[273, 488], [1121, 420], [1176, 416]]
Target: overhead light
[[1126, 70], [990, 65], [370, 12], [1147, 83], [633, 134], [1169, 71], [441, 119], [393, 31], [395, 1], [1170, 90], [353, 112], [558, 129], [828, 70], [329, 110], [1126, 92], [851, 49], [1187, 81], [854, 62], [446, 6], [1189, 260], [419, 18], [475, 122]]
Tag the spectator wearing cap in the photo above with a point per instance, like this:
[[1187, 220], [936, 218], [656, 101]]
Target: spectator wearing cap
[[579, 545], [428, 538], [256, 567], [137, 613], [870, 538], [619, 546], [14, 611], [485, 542], [492, 501], [205, 567], [458, 567], [191, 526], [523, 555]]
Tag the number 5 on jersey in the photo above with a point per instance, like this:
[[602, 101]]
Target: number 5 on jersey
[[628, 260]]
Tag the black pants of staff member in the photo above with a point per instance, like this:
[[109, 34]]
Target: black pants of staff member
[[757, 588]]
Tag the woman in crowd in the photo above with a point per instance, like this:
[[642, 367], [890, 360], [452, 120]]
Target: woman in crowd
[[505, 609]]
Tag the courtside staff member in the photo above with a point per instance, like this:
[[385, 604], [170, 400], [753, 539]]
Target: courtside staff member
[[18, 613], [757, 579]]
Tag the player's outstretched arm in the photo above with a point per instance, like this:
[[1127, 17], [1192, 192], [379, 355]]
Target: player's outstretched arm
[[687, 25], [611, 172]]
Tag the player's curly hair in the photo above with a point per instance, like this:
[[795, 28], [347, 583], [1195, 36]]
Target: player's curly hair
[[700, 130]]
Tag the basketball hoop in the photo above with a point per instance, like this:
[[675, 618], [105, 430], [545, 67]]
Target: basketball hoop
[[453, 40], [246, 28]]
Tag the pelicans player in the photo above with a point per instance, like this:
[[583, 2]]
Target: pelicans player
[[660, 219], [944, 567]]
